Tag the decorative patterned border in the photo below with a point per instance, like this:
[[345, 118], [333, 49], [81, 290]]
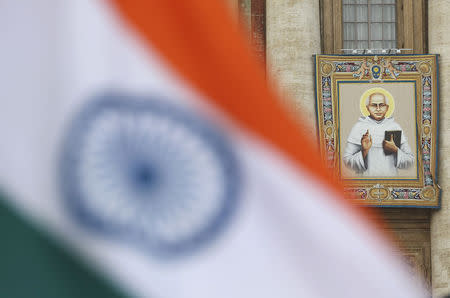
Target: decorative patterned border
[[423, 192]]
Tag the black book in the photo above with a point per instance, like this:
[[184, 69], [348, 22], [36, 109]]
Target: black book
[[397, 136]]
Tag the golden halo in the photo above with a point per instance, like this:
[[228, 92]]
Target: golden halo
[[369, 92]]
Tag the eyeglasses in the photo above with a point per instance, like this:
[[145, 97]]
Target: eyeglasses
[[378, 106]]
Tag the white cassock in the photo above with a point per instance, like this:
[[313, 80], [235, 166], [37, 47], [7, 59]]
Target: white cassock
[[377, 163]]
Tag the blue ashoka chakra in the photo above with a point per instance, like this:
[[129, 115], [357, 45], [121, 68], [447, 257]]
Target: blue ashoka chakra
[[149, 172]]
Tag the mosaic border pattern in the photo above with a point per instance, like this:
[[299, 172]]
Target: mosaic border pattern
[[378, 68]]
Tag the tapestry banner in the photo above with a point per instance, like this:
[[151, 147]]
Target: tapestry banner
[[377, 120]]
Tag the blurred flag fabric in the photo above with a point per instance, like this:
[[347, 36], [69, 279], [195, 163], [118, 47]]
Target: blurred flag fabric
[[143, 155]]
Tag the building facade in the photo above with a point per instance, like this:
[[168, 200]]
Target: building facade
[[286, 33]]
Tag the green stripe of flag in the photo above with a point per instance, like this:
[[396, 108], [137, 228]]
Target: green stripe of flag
[[33, 265]]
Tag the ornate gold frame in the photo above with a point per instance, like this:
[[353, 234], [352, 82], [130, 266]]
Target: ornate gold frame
[[420, 69]]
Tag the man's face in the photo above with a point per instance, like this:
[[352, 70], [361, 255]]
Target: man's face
[[377, 107]]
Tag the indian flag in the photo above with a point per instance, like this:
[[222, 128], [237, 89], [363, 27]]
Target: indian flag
[[143, 155]]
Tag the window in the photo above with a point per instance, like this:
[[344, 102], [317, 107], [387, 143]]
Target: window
[[373, 24], [368, 24], [253, 17]]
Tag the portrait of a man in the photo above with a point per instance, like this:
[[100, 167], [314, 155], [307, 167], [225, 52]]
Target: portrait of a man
[[377, 123], [377, 145]]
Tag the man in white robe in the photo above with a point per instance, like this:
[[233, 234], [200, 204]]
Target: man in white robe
[[367, 152]]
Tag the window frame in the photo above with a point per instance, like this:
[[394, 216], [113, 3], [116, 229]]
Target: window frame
[[371, 22], [411, 26]]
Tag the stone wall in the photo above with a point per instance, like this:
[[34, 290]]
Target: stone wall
[[439, 43], [292, 36]]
